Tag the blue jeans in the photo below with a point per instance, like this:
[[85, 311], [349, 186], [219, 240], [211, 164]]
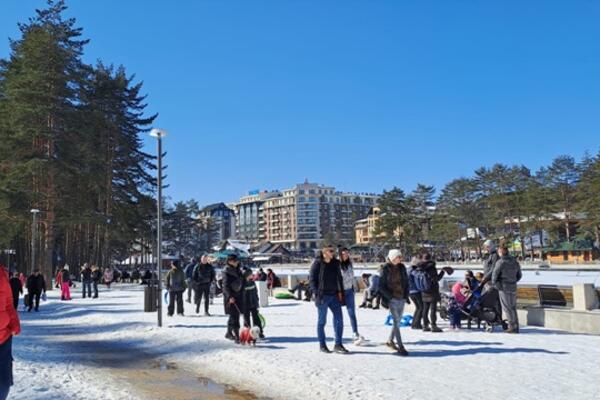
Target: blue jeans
[[332, 303], [351, 307], [6, 365], [87, 288], [4, 392]]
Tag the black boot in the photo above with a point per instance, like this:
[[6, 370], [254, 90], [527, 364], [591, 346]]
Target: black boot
[[340, 349], [229, 334], [402, 351], [325, 349]]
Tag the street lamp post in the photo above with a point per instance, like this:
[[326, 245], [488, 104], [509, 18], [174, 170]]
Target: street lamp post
[[159, 134], [34, 212]]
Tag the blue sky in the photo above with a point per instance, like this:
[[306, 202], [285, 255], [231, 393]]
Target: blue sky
[[362, 95]]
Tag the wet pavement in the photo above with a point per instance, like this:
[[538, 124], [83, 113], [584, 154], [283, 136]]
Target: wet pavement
[[152, 377]]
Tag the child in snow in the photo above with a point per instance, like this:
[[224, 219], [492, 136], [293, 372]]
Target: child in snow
[[455, 305], [250, 301], [65, 283]]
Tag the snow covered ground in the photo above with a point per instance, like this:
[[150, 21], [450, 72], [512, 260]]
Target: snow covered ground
[[104, 349]]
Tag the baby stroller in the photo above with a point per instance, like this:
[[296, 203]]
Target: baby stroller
[[485, 309], [447, 299]]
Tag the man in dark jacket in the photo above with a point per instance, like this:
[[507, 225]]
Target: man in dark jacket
[[233, 286], [432, 296], [394, 289], [17, 289], [327, 285], [189, 272], [175, 283], [202, 277], [507, 272], [250, 300], [86, 280], [36, 285]]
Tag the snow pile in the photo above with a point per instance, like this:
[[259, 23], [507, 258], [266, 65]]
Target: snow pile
[[89, 349]]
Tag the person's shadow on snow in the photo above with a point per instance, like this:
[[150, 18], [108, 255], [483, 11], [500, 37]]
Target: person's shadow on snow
[[480, 350]]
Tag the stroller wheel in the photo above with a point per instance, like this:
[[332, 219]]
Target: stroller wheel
[[489, 328]]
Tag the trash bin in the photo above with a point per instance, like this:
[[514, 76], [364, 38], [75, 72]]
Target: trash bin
[[150, 298], [263, 293]]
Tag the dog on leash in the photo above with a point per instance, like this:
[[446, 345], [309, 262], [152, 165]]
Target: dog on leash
[[249, 336]]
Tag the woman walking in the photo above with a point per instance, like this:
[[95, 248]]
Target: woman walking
[[393, 287], [348, 279]]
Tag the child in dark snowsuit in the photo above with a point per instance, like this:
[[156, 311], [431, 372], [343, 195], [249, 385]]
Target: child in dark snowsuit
[[250, 301]]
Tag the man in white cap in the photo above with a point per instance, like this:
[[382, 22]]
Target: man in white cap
[[393, 286]]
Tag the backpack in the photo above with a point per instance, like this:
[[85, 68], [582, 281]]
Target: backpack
[[422, 281]]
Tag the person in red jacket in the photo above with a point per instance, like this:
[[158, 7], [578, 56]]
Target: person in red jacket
[[9, 327]]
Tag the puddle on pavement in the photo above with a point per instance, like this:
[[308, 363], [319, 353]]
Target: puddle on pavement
[[164, 380], [154, 378]]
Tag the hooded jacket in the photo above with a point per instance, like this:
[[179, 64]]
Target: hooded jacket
[[9, 319], [233, 285]]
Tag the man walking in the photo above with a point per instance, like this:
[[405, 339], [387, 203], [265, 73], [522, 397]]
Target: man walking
[[86, 280], [328, 288], [507, 272], [202, 278], [175, 284], [36, 285], [394, 289], [233, 286]]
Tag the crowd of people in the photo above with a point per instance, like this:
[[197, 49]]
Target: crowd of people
[[331, 285]]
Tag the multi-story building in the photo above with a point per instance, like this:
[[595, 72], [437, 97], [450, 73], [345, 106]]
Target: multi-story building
[[364, 228], [249, 216], [306, 215], [219, 223]]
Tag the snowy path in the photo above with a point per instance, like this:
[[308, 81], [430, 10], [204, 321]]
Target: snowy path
[[60, 356]]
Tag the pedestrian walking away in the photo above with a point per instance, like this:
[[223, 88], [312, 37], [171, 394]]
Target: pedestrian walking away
[[327, 285], [394, 290], [203, 277], [415, 295], [427, 281], [176, 285], [65, 284], [233, 285], [189, 271], [36, 285], [9, 327]]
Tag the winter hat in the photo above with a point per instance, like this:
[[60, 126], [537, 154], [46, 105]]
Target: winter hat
[[392, 254], [489, 243]]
